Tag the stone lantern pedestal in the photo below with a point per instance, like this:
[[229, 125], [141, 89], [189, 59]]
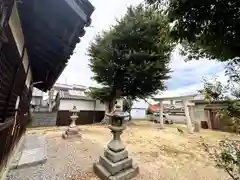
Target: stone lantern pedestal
[[72, 129], [115, 164]]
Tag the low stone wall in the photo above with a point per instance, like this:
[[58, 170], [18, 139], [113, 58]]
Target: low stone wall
[[41, 119]]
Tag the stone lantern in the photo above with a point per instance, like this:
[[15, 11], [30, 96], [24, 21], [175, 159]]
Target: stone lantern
[[115, 163], [72, 129]]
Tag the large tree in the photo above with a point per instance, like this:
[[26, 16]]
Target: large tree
[[213, 90], [106, 97], [131, 58], [103, 94], [209, 28]]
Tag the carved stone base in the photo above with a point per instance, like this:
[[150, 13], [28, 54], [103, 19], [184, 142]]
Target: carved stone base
[[71, 131], [126, 174], [115, 157], [115, 166]]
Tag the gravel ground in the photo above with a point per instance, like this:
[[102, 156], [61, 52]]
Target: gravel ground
[[161, 154]]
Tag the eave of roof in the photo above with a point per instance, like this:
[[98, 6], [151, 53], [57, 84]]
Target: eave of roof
[[78, 98], [186, 97], [58, 86], [67, 96], [207, 102], [51, 35]]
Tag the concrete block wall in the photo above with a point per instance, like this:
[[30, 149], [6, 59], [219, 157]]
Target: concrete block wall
[[41, 119]]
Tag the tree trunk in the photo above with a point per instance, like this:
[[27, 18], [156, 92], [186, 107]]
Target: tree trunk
[[130, 116], [105, 119], [109, 109], [115, 94]]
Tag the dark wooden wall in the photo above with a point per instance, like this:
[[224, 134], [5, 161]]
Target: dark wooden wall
[[214, 120], [85, 117], [12, 85]]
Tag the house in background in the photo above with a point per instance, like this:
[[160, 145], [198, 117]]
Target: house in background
[[206, 113], [68, 96], [63, 97], [78, 89], [138, 111], [37, 99]]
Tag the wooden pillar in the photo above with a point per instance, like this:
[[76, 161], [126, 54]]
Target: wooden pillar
[[187, 116], [161, 115]]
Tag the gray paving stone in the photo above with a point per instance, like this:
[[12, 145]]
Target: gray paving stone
[[32, 157], [32, 152], [32, 142]]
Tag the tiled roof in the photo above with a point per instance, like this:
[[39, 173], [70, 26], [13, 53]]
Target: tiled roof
[[67, 95], [58, 86]]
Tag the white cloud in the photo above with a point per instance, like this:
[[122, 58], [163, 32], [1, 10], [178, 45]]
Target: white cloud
[[190, 72], [193, 88]]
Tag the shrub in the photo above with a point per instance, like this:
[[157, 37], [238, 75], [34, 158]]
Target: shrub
[[230, 117], [227, 157]]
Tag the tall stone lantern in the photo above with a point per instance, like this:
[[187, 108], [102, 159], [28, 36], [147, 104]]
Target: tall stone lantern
[[115, 163], [72, 129]]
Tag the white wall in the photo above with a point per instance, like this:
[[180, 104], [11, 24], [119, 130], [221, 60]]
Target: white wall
[[28, 79], [66, 104], [15, 25], [99, 106], [37, 92], [80, 105], [36, 101], [199, 114], [138, 113]]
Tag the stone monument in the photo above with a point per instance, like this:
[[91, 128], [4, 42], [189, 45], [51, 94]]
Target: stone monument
[[115, 163], [72, 129]]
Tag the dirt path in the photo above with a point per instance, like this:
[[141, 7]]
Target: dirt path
[[161, 154]]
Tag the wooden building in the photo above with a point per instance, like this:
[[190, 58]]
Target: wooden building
[[37, 37], [206, 113]]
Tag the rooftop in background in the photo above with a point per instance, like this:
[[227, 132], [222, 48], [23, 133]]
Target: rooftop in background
[[37, 93], [59, 86], [189, 97], [66, 94]]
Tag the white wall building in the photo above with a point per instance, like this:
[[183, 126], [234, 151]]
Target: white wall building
[[68, 96], [139, 108]]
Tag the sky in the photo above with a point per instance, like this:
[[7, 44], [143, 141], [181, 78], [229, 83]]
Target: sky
[[186, 77]]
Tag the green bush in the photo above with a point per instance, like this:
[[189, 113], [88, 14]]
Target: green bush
[[227, 156], [230, 117]]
